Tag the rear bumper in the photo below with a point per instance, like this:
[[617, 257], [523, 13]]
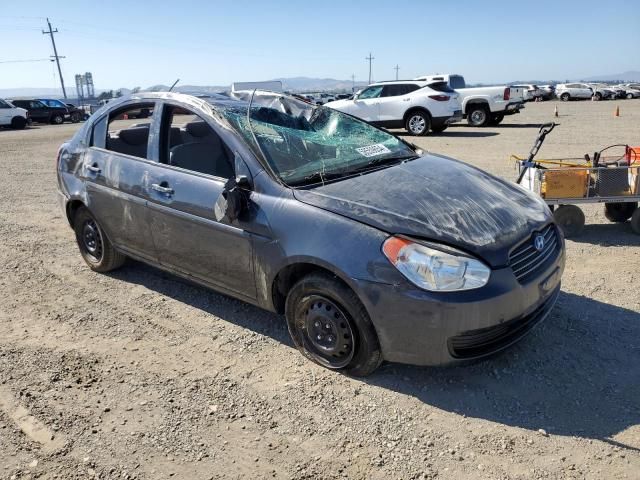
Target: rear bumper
[[426, 328]]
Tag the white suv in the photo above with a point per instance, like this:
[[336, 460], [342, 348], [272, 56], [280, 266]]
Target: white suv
[[11, 116], [572, 91], [417, 106]]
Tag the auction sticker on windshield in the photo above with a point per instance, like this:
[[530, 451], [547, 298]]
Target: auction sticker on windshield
[[373, 150]]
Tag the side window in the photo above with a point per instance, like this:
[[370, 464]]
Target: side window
[[410, 87], [36, 105], [456, 81], [392, 90], [123, 132], [371, 92], [188, 141]]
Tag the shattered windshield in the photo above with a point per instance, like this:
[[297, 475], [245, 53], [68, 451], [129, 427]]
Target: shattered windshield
[[306, 144]]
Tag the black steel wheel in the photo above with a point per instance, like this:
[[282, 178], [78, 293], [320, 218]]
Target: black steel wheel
[[619, 212], [570, 218], [497, 118], [95, 247], [18, 123], [331, 327], [635, 221]]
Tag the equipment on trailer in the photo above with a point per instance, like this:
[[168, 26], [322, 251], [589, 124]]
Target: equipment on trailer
[[602, 178]]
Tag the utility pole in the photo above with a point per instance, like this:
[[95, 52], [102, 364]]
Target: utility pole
[[353, 82], [55, 55], [370, 58], [396, 68]]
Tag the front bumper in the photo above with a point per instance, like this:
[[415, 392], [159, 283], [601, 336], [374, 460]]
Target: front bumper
[[426, 328]]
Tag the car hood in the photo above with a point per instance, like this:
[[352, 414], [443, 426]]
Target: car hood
[[439, 199], [338, 104]]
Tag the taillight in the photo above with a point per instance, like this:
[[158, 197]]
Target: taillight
[[440, 98], [507, 94]]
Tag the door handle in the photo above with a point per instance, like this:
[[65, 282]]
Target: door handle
[[94, 168], [162, 189]]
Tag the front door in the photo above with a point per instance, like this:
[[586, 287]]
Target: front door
[[182, 191], [115, 168], [366, 105]]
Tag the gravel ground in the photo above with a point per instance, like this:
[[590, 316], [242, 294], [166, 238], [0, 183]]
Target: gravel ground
[[137, 374]]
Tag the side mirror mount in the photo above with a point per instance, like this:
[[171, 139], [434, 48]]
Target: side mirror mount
[[233, 200]]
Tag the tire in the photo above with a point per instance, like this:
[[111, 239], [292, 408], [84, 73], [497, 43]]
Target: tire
[[439, 129], [635, 221], [597, 96], [418, 123], [570, 218], [95, 247], [57, 119], [75, 117], [18, 123], [565, 97], [629, 96], [497, 119], [320, 310], [478, 116], [619, 212]]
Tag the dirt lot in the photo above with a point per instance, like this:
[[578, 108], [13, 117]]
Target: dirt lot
[[137, 374]]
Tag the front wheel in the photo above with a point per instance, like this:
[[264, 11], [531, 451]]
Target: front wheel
[[18, 123], [330, 326], [57, 119], [619, 212], [629, 96], [95, 247], [570, 218], [565, 97], [418, 123], [478, 116]]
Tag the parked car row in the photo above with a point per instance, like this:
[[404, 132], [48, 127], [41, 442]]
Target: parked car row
[[596, 91], [431, 103], [21, 112]]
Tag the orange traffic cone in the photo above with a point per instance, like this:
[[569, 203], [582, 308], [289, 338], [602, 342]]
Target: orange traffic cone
[[555, 111], [617, 112]]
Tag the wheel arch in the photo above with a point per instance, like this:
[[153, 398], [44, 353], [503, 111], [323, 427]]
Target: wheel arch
[[72, 208], [472, 103], [290, 273], [413, 110]]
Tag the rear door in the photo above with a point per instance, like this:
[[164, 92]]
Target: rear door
[[183, 187], [394, 101], [116, 169]]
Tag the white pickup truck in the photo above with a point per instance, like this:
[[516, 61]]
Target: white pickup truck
[[482, 106]]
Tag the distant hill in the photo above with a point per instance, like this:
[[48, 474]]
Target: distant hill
[[630, 76]]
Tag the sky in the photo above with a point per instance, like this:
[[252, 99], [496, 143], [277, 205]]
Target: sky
[[136, 43]]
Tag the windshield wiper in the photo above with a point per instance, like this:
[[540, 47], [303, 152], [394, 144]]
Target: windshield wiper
[[315, 177], [376, 162]]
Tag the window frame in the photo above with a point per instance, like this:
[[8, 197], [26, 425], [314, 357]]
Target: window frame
[[162, 131]]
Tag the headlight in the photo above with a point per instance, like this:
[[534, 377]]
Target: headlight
[[433, 269]]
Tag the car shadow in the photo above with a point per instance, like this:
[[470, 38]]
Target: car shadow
[[476, 134], [577, 374], [608, 235], [520, 125]]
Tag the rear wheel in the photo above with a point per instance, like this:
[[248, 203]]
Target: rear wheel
[[18, 123], [478, 116], [565, 97], [330, 326], [439, 129], [95, 247], [570, 218], [619, 212], [418, 123], [629, 96]]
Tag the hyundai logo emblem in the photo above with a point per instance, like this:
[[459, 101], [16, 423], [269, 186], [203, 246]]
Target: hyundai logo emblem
[[538, 242]]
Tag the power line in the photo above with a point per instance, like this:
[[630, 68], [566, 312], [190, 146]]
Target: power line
[[370, 58], [55, 55], [29, 60]]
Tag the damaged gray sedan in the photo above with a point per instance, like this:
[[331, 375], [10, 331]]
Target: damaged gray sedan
[[372, 249]]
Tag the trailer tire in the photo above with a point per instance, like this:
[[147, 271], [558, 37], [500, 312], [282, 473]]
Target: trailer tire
[[635, 221], [570, 218], [619, 212]]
